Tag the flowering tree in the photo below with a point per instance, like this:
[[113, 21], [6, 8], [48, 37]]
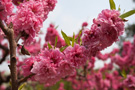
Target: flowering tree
[[69, 58]]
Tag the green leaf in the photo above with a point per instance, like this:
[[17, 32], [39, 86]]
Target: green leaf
[[70, 38], [56, 40], [73, 39], [56, 27], [49, 45], [65, 38], [20, 88], [78, 37], [80, 41], [112, 4], [63, 48], [123, 73], [10, 83], [119, 9], [127, 14]]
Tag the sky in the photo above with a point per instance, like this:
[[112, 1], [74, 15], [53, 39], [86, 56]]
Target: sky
[[70, 14]]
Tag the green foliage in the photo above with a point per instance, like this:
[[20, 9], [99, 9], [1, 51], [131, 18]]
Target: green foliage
[[38, 86], [78, 37], [112, 4], [22, 86], [123, 73], [28, 87], [56, 40], [127, 14], [49, 45], [63, 48], [56, 27], [66, 38], [70, 38], [73, 39], [119, 8]]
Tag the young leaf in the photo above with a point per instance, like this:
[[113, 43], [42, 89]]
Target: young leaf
[[63, 48], [49, 45], [78, 37], [66, 38], [123, 73], [119, 9], [70, 38], [127, 14], [73, 39], [20, 88], [56, 40], [112, 4], [80, 41], [56, 27]]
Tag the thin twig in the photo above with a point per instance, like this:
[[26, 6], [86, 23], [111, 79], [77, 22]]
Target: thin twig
[[6, 53], [18, 37], [4, 29], [4, 79], [25, 78]]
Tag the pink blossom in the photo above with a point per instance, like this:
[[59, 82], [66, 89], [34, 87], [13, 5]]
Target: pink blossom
[[127, 58], [126, 48], [51, 34], [104, 31], [65, 68], [100, 56], [27, 19], [85, 24], [17, 2], [48, 4], [54, 55], [129, 82], [46, 72], [34, 48], [28, 65], [6, 8], [76, 55], [61, 86], [36, 7], [2, 87], [46, 68]]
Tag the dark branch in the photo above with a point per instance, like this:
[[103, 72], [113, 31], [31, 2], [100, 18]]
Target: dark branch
[[9, 32], [5, 54], [4, 79], [25, 78]]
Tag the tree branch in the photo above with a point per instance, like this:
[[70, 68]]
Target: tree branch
[[4, 29], [18, 37], [9, 32], [25, 79], [4, 79], [5, 54]]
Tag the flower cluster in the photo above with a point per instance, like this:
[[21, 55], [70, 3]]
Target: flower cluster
[[98, 80], [51, 64], [129, 82], [6, 8], [29, 17], [34, 48], [51, 35], [104, 31], [127, 58]]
